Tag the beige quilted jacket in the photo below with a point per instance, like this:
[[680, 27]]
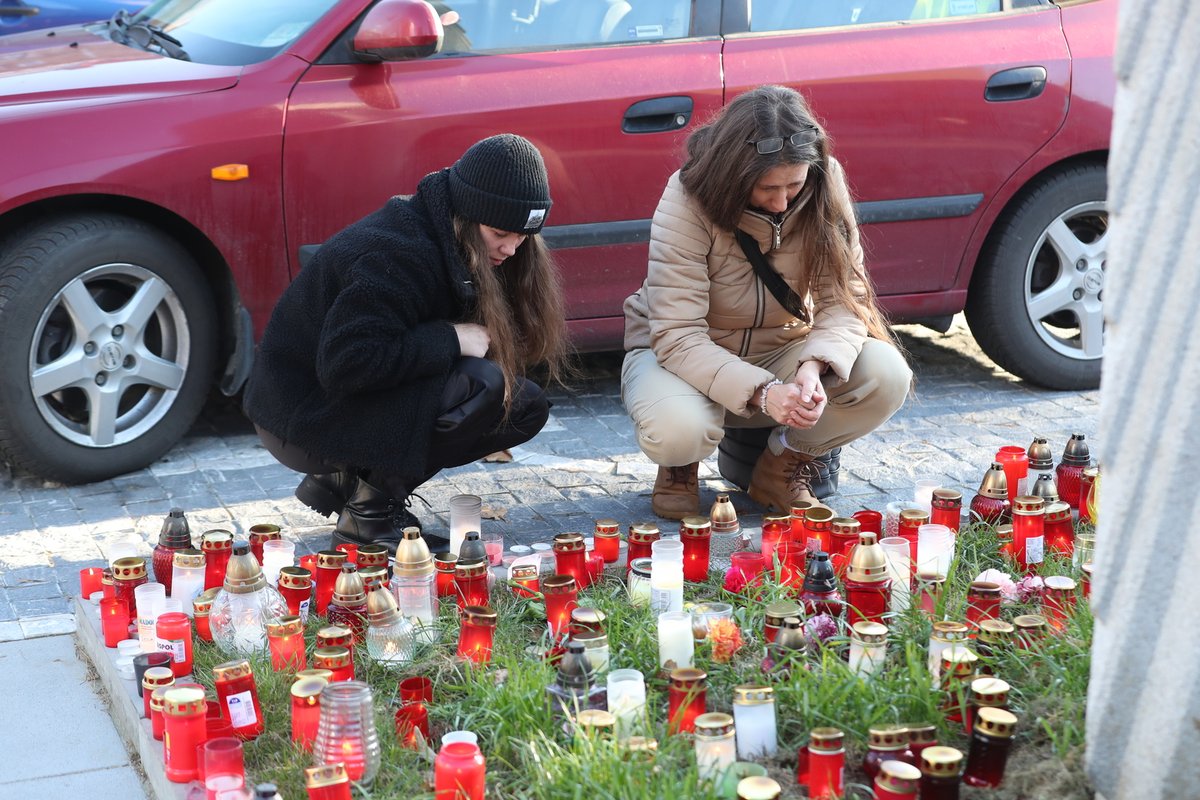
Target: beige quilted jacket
[[702, 309]]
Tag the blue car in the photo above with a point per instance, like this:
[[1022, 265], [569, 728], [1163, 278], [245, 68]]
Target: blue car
[[17, 15]]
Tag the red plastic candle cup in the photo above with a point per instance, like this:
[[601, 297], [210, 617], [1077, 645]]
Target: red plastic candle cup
[[154, 678], [792, 557], [696, 535], [108, 584], [470, 584], [238, 695], [524, 580], [306, 710], [338, 660], [908, 528], [417, 689], [816, 528], [867, 600], [843, 535], [329, 566], [570, 558], [412, 719], [336, 636], [983, 602], [296, 587], [1058, 598], [796, 520], [1058, 529], [825, 764], [459, 772], [745, 569], [128, 574], [217, 546], [444, 565], [776, 529], [350, 549], [327, 782], [641, 536], [476, 634], [1029, 516], [1015, 461], [595, 566], [560, 594], [991, 740], [870, 520], [260, 533], [201, 606], [156, 711], [114, 621], [224, 768], [90, 581], [608, 539], [1087, 569], [687, 698], [285, 637], [774, 616], [308, 562], [174, 633], [946, 508], [183, 732]]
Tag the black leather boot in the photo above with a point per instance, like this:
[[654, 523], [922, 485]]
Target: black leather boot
[[326, 494], [372, 516]]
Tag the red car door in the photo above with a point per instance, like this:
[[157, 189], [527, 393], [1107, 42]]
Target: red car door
[[929, 116], [608, 101]]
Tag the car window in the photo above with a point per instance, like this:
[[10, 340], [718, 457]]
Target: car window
[[490, 25], [787, 15]]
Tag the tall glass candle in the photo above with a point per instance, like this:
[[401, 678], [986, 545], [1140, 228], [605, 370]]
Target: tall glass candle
[[187, 576], [776, 528], [173, 635], [217, 546], [470, 584], [465, 515], [560, 593], [754, 721], [696, 535], [277, 554], [114, 621], [148, 600], [666, 576], [238, 694], [716, 749], [816, 527], [445, 567], [296, 588], [570, 558], [128, 574], [946, 508], [260, 534], [459, 772], [935, 549], [608, 539], [843, 535], [627, 700], [675, 643], [823, 763], [285, 638], [327, 782], [641, 536], [990, 742], [183, 732], [899, 570], [329, 566], [1028, 530], [686, 699], [306, 710], [475, 635], [939, 773]]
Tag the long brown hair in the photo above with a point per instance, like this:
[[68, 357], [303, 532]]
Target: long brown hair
[[521, 304], [723, 166]]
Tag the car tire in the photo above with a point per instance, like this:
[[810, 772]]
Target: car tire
[[1035, 300], [109, 335]]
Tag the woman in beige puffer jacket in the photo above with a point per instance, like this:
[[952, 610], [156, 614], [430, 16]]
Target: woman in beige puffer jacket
[[709, 346]]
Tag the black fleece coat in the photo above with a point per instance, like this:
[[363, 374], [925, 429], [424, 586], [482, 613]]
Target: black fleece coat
[[356, 354]]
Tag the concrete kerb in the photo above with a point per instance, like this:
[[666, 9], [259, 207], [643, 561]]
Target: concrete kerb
[[124, 705]]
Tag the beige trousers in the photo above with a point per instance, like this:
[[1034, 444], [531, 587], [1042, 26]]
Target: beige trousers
[[677, 425]]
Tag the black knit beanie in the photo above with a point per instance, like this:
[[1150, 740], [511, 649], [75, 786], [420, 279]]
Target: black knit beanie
[[501, 182]]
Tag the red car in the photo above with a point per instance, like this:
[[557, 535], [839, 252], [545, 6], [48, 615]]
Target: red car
[[165, 172]]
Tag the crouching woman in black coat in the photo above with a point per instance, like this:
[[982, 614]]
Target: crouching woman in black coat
[[399, 349]]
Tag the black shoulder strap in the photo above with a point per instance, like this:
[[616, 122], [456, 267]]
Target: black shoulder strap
[[774, 282]]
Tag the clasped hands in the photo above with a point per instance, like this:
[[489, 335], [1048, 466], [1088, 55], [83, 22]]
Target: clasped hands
[[800, 403]]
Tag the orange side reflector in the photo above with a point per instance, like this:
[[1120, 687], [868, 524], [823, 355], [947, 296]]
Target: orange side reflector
[[231, 172]]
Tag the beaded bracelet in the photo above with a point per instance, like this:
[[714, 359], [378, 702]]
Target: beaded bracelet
[[762, 405]]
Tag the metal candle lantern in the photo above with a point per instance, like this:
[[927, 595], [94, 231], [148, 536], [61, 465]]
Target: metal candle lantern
[[348, 606], [391, 636], [991, 503]]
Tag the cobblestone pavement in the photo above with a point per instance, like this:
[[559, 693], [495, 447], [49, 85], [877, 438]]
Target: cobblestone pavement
[[583, 466]]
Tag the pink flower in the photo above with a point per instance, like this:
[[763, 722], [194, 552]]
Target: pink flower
[[818, 629]]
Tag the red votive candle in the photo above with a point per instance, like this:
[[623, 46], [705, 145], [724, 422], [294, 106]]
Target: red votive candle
[[327, 782], [183, 732], [217, 546], [296, 587], [107, 583], [990, 742], [570, 558], [285, 637], [524, 580], [238, 695], [156, 710], [337, 660], [470, 583], [306, 710], [459, 772], [260, 533], [90, 581], [696, 535], [174, 633], [336, 636], [843, 534], [475, 635], [1015, 461], [946, 508], [821, 764], [897, 780], [796, 520], [687, 698], [1028, 531], [641, 536], [817, 529], [128, 574], [745, 569], [411, 719], [1058, 598], [350, 549], [774, 616], [329, 566], [793, 558], [1058, 529], [114, 621], [776, 529], [983, 602], [307, 561], [870, 520], [417, 689], [201, 606], [154, 678], [444, 565], [560, 595], [608, 539], [908, 528]]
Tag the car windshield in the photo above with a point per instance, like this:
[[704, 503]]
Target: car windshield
[[233, 32]]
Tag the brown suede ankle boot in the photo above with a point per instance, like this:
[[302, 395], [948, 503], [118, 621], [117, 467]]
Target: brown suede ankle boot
[[676, 492], [780, 480]]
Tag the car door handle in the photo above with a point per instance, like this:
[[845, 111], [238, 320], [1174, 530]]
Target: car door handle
[[657, 114], [1020, 83]]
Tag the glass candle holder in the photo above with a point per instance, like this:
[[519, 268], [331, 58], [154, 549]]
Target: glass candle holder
[[560, 595], [306, 710], [259, 534], [868, 647], [935, 549], [351, 551], [173, 633], [391, 636], [329, 567], [475, 635], [154, 678], [465, 515], [337, 660], [776, 528], [638, 581], [754, 721], [899, 570], [985, 693], [471, 584], [459, 772], [676, 644], [243, 606], [908, 527], [493, 545], [641, 536], [687, 698], [983, 602], [157, 698], [940, 767], [146, 661], [348, 606], [945, 634], [666, 576], [774, 615], [608, 539], [570, 558], [897, 780], [201, 614], [1015, 461], [327, 782], [223, 766], [346, 731], [595, 649], [695, 533], [886, 743], [991, 741], [445, 569], [412, 724], [296, 588], [1058, 529], [187, 576], [843, 535], [930, 586], [523, 577], [1087, 493], [238, 694], [816, 529], [716, 749], [745, 569], [1028, 531], [114, 621], [128, 574], [946, 508], [821, 764], [183, 732], [277, 554], [1075, 459], [285, 639], [90, 581], [217, 546], [627, 700]]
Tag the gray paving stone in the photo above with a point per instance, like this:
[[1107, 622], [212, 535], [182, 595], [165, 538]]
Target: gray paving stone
[[34, 590], [37, 608]]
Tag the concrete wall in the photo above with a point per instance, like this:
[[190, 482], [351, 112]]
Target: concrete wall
[[1144, 696]]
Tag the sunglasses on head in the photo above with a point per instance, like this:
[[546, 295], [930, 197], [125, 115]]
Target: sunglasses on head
[[773, 144]]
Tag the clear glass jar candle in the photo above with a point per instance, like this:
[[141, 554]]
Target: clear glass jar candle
[[639, 581], [627, 700], [346, 731]]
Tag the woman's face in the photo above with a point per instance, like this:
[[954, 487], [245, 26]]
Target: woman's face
[[778, 187], [500, 244]]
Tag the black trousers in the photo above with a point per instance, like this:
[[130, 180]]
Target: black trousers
[[470, 425]]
